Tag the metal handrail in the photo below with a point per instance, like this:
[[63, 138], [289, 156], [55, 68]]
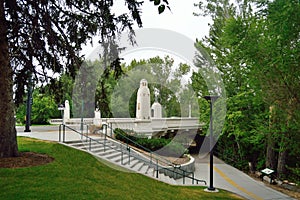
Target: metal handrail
[[156, 166], [161, 159], [158, 157]]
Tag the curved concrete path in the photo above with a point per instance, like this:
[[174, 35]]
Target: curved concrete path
[[225, 176], [231, 179]]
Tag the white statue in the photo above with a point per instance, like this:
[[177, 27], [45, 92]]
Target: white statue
[[143, 101], [66, 111], [156, 110], [97, 118]]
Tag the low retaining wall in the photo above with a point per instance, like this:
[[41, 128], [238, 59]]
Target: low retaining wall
[[187, 167]]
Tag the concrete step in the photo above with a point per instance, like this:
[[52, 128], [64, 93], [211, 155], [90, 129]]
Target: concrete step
[[99, 142], [106, 152], [150, 171], [115, 156], [81, 144], [101, 148], [78, 144], [133, 162], [137, 166], [119, 158], [112, 155], [143, 169]]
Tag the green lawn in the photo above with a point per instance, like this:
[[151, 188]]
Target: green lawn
[[78, 175]]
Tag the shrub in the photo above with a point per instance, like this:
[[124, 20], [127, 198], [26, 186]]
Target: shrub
[[162, 146]]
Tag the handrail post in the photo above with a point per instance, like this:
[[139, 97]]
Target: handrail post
[[104, 146], [104, 141], [87, 130], [183, 177], [156, 168], [128, 149], [59, 133], [121, 154], [129, 156], [64, 133], [194, 178], [86, 137], [111, 129], [90, 144]]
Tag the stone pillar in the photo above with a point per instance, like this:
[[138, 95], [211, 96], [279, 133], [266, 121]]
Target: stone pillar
[[67, 111], [143, 101], [156, 110]]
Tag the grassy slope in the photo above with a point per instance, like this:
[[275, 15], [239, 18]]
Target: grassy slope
[[78, 175]]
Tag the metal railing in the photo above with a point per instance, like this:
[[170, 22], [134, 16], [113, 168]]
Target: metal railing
[[154, 161]]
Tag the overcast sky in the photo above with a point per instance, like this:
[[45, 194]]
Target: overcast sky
[[179, 19]]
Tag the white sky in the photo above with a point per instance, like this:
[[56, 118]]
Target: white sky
[[179, 19]]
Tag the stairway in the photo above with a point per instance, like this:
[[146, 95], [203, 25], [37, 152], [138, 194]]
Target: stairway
[[120, 154], [116, 153]]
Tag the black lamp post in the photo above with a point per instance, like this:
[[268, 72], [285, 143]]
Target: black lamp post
[[211, 99], [28, 106], [82, 107]]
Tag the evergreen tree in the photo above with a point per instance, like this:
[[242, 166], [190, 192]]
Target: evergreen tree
[[41, 36]]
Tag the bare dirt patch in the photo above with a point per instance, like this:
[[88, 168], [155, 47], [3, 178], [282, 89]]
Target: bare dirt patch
[[25, 159]]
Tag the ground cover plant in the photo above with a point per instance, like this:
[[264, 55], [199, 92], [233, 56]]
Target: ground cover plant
[[76, 174], [161, 146]]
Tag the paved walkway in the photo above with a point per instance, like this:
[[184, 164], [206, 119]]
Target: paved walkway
[[231, 179], [225, 176]]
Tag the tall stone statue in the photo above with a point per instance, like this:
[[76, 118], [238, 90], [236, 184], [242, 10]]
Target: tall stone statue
[[143, 101]]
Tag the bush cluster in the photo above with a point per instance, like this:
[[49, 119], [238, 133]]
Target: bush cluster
[[161, 146]]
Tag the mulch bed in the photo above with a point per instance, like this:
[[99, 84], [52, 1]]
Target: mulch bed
[[25, 159]]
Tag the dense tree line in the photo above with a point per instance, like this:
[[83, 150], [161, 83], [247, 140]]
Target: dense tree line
[[114, 97], [256, 46]]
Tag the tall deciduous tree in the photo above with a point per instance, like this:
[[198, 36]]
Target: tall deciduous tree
[[257, 51], [41, 36]]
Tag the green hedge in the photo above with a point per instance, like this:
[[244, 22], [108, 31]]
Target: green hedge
[[161, 146]]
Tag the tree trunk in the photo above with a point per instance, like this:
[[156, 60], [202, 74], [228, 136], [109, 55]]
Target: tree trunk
[[8, 139], [271, 154], [271, 161], [281, 169]]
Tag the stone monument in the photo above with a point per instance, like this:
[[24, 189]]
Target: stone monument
[[97, 122], [156, 110], [143, 101], [66, 112]]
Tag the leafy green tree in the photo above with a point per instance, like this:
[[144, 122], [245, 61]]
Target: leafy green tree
[[41, 36], [44, 108], [61, 88], [161, 75], [256, 46]]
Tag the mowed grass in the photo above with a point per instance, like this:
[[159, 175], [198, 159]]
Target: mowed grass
[[78, 175]]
